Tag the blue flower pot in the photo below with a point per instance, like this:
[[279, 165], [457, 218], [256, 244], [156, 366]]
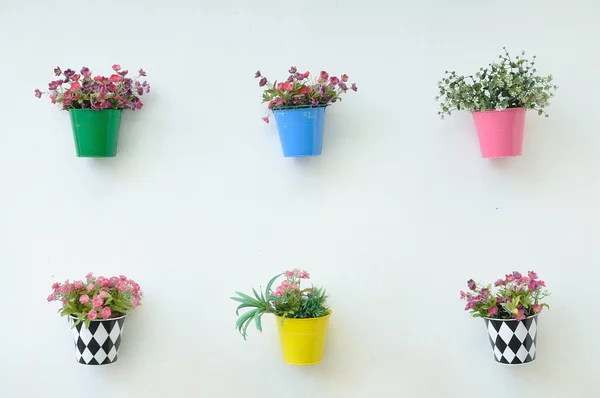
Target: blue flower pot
[[300, 130]]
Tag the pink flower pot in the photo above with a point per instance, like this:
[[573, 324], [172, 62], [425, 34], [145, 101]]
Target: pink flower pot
[[500, 132]]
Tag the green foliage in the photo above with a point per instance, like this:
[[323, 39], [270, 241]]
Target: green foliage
[[260, 305], [518, 296], [287, 301], [96, 297], [311, 305], [510, 83]]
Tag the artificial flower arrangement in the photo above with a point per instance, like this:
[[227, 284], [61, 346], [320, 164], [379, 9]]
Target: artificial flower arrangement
[[301, 313], [498, 97], [95, 104], [298, 104], [510, 314], [97, 307]]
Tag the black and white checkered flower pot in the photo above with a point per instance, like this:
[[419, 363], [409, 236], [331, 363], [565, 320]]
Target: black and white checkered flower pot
[[98, 345], [513, 342]]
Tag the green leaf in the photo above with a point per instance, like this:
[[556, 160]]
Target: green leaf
[[268, 289], [237, 311], [257, 316]]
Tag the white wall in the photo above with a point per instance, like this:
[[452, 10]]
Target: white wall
[[393, 219]]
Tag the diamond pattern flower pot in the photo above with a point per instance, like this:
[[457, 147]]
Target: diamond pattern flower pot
[[303, 340], [500, 133], [98, 345], [96, 133], [513, 342], [301, 130]]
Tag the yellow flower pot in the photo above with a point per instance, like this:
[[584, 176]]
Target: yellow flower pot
[[302, 340]]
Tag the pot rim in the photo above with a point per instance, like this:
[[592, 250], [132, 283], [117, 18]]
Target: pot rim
[[95, 110], [304, 319], [509, 320], [100, 320], [299, 107], [501, 110]]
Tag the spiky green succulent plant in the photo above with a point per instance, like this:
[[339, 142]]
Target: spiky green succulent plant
[[287, 301], [260, 304]]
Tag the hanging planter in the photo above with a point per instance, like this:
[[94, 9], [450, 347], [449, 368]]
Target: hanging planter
[[99, 343], [510, 315], [95, 105], [500, 133], [302, 340], [498, 97], [513, 341], [300, 130], [299, 108], [97, 307], [301, 314], [96, 133]]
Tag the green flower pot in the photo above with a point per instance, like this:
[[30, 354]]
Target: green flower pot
[[96, 133]]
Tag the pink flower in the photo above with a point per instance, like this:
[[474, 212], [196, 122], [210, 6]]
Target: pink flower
[[541, 283], [75, 86], [323, 77], [536, 308], [285, 283], [304, 90], [520, 316], [334, 80], [97, 302], [78, 285], [136, 287], [105, 313], [115, 78], [265, 119], [142, 73], [38, 93], [121, 286], [344, 78], [532, 275], [92, 314], [303, 274], [493, 311], [64, 302], [116, 67], [87, 73], [294, 287], [517, 275], [103, 281], [89, 276], [84, 299], [462, 295], [50, 297], [123, 278], [499, 282], [135, 301], [509, 278], [305, 74], [532, 285], [55, 285], [75, 77], [471, 284], [289, 274], [90, 287], [288, 86], [103, 294]]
